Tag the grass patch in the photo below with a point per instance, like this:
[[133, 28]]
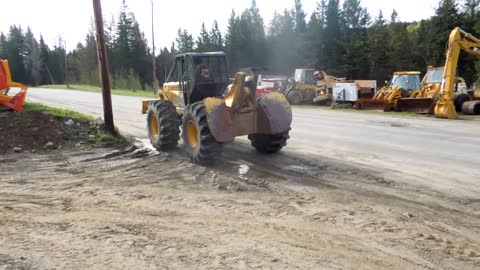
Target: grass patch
[[58, 113], [94, 138], [89, 88]]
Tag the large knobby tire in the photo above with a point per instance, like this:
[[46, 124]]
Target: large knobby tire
[[460, 99], [294, 97], [163, 125], [199, 143], [269, 144]]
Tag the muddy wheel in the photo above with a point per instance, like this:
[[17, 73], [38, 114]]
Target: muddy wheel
[[163, 125], [459, 100], [269, 144], [294, 97], [199, 143]]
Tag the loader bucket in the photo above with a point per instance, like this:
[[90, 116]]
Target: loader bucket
[[370, 104], [416, 105], [471, 107], [445, 109]]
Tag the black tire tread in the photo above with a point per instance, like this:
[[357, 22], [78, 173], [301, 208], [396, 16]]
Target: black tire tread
[[269, 143], [169, 125], [208, 148]]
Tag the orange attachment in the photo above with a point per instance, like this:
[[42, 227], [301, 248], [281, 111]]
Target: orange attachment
[[13, 102]]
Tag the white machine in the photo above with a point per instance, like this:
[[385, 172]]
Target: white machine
[[345, 92]]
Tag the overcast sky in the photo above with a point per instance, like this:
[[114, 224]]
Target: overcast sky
[[71, 19]]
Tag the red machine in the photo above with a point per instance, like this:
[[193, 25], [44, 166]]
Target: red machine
[[17, 101]]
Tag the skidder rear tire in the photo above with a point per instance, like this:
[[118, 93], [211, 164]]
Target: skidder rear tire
[[163, 125], [269, 144], [199, 143]]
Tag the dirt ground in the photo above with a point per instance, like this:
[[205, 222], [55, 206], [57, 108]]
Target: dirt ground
[[138, 209]]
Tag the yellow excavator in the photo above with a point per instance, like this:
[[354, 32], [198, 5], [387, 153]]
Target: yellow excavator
[[403, 84], [459, 40], [10, 102]]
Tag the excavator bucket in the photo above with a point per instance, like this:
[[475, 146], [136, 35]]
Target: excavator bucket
[[370, 104], [445, 108], [416, 105]]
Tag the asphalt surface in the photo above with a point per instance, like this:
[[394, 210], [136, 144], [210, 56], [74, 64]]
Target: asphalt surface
[[443, 155]]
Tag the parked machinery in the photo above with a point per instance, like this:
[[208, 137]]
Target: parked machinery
[[459, 40], [424, 99], [403, 84]]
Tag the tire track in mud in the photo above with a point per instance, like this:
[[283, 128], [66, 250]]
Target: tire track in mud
[[280, 212]]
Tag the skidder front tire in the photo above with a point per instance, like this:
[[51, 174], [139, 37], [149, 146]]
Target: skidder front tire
[[199, 143], [269, 144], [163, 125]]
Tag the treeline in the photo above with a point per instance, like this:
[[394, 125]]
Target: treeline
[[345, 40]]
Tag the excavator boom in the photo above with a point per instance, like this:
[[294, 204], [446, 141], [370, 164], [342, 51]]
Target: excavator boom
[[459, 40]]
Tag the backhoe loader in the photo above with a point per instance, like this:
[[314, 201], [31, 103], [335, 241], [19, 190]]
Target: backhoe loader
[[459, 40], [424, 100], [17, 101], [403, 84], [193, 98]]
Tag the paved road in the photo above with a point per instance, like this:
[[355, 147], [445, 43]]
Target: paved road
[[441, 154]]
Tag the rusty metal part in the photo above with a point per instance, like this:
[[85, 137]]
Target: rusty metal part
[[416, 105], [370, 104], [274, 114], [219, 119], [471, 107]]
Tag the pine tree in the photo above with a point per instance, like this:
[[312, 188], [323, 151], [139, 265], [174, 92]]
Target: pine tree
[[33, 58], [45, 75], [15, 49], [355, 40], [184, 41], [204, 43], [300, 23], [333, 45], [216, 37], [378, 36], [3, 46], [282, 43]]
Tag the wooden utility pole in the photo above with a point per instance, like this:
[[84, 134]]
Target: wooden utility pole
[[103, 64], [66, 64], [154, 59]]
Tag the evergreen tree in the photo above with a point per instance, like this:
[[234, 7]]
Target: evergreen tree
[[355, 41], [333, 45], [282, 43], [184, 41], [3, 46], [379, 50], [216, 37], [45, 75], [32, 58], [300, 23], [204, 43]]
